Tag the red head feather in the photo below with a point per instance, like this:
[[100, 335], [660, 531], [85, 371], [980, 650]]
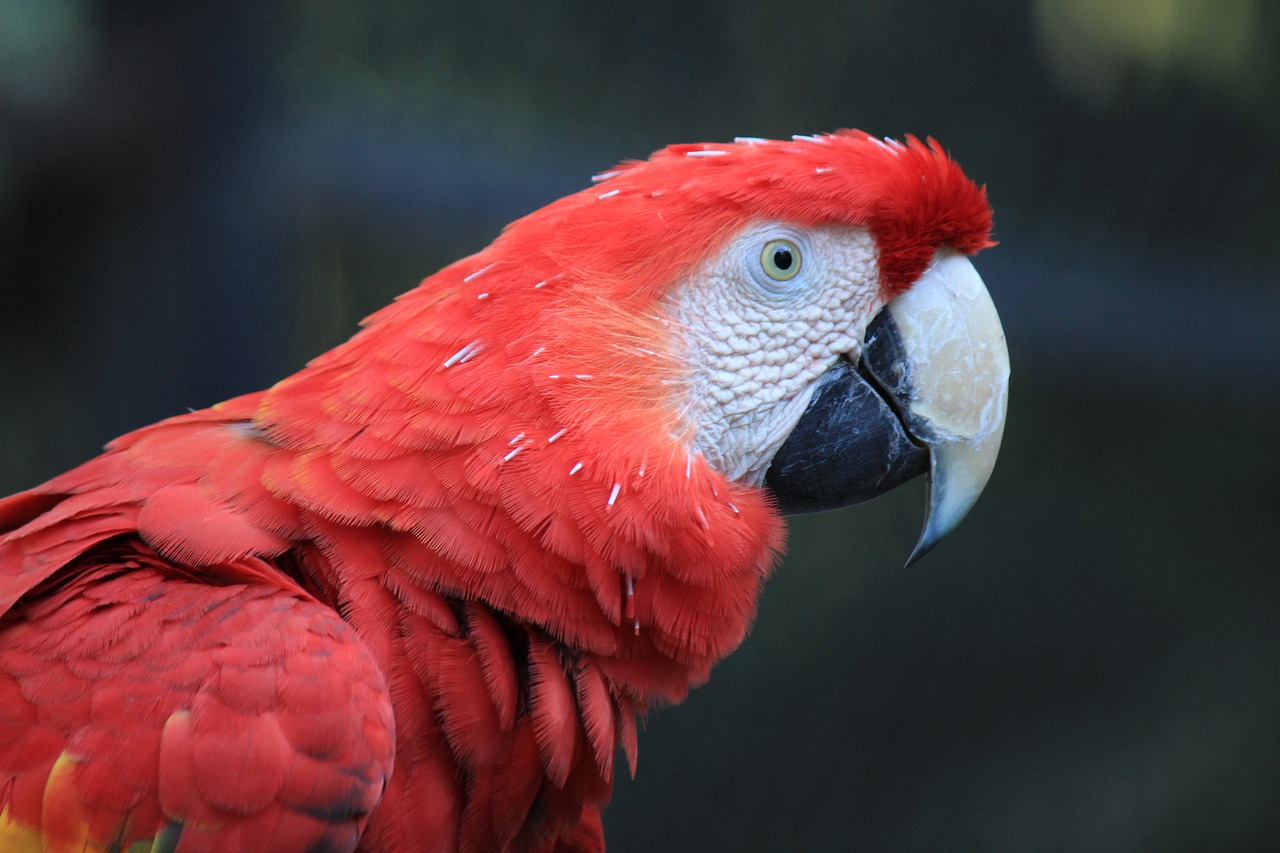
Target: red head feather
[[600, 261], [677, 207]]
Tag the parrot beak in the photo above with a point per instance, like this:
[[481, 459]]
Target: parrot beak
[[928, 395]]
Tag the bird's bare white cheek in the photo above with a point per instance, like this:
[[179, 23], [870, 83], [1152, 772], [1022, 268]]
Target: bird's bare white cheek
[[755, 355]]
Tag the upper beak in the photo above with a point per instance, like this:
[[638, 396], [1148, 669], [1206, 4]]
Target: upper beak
[[929, 394]]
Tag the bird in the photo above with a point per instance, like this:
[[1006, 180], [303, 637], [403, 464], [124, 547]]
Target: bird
[[418, 594]]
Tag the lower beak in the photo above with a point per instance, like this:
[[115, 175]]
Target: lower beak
[[928, 395]]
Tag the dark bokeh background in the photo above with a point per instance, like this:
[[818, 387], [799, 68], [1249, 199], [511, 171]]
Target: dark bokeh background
[[196, 197]]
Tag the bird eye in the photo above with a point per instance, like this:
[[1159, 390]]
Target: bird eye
[[780, 259]]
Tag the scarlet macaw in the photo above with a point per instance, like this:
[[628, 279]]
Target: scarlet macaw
[[414, 596]]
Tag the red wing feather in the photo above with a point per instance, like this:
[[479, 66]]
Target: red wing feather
[[222, 717]]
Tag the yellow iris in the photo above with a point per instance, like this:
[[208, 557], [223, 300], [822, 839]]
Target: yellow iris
[[780, 259]]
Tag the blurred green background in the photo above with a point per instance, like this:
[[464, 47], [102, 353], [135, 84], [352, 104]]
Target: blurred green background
[[196, 197]]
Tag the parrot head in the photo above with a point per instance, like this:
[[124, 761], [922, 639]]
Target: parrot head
[[596, 424], [799, 314]]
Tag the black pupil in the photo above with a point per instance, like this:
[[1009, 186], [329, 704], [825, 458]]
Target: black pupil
[[782, 259]]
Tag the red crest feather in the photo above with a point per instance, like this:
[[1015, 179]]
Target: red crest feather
[[676, 207]]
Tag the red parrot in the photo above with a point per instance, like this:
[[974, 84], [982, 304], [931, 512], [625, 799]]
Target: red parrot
[[414, 596]]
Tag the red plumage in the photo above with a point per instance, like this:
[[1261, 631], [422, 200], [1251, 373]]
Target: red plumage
[[474, 534]]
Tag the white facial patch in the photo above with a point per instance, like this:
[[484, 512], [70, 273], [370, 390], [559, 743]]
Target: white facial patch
[[761, 321]]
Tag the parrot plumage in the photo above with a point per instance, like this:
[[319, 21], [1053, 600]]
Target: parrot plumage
[[416, 595]]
